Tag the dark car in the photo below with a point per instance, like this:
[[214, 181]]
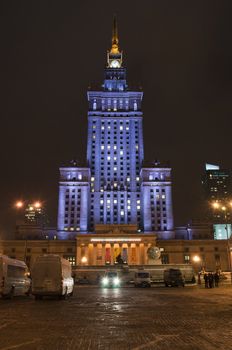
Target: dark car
[[173, 278]]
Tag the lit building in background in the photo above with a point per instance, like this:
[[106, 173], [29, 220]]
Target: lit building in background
[[32, 221], [216, 183], [116, 188], [217, 189], [34, 213]]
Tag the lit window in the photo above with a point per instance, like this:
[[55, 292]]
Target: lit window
[[92, 179], [102, 147], [115, 158], [115, 147], [108, 158], [138, 201], [108, 146], [101, 201], [138, 207], [163, 196], [128, 201], [128, 207], [121, 127], [115, 201], [108, 201], [121, 153], [122, 212], [137, 178], [103, 128]]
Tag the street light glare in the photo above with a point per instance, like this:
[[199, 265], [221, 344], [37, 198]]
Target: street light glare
[[37, 205], [19, 204], [196, 258], [215, 205]]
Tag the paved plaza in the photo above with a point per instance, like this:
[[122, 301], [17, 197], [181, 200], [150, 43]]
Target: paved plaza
[[127, 318]]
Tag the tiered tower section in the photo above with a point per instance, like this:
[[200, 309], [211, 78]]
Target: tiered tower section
[[115, 146], [115, 188]]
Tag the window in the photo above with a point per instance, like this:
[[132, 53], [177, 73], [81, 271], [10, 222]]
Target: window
[[186, 259]]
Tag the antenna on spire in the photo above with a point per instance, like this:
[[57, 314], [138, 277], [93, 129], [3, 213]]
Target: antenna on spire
[[115, 41], [115, 31]]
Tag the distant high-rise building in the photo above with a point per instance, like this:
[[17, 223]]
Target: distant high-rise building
[[216, 183], [115, 187], [217, 188]]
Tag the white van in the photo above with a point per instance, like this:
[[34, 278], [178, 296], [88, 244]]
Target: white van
[[14, 277], [142, 279], [51, 275]]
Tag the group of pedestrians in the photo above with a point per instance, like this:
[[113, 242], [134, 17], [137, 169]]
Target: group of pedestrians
[[211, 279]]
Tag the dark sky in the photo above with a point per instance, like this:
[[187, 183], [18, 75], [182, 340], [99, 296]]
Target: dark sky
[[180, 52]]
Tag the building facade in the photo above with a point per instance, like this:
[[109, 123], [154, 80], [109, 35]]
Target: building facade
[[213, 254], [115, 188]]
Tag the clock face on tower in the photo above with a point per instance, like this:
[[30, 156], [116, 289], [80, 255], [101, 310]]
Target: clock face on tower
[[115, 64]]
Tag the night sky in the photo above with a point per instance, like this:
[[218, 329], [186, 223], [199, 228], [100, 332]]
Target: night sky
[[179, 52]]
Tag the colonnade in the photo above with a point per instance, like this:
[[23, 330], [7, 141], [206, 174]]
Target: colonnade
[[92, 254]]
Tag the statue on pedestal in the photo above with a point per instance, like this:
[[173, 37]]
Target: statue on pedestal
[[154, 256]]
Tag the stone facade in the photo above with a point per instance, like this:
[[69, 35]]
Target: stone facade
[[102, 250]]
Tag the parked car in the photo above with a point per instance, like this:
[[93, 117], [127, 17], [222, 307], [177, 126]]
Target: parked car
[[14, 277], [52, 276], [111, 279], [142, 279], [173, 277]]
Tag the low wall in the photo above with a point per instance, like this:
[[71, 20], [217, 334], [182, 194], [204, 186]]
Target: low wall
[[93, 274]]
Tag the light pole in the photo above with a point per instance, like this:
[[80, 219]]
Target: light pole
[[223, 206], [197, 260], [30, 211]]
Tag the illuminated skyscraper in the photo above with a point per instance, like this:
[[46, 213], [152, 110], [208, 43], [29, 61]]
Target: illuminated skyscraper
[[217, 187], [216, 183], [115, 188]]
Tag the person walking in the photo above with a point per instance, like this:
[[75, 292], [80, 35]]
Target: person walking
[[211, 280], [216, 279], [206, 278]]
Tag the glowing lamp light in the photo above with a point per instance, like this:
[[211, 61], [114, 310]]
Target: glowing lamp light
[[37, 205], [19, 204], [84, 260], [223, 208], [196, 258], [215, 205]]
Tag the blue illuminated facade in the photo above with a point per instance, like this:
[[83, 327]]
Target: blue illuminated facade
[[115, 188]]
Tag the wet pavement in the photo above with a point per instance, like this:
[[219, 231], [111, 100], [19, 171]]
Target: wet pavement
[[127, 318]]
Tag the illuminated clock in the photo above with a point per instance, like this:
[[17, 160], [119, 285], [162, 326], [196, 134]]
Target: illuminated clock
[[114, 64]]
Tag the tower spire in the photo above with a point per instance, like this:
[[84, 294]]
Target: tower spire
[[114, 48]]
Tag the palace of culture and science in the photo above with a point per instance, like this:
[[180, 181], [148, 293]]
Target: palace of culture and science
[[116, 188], [117, 205]]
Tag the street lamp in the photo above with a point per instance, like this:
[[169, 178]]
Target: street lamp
[[196, 258], [19, 204], [225, 206]]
